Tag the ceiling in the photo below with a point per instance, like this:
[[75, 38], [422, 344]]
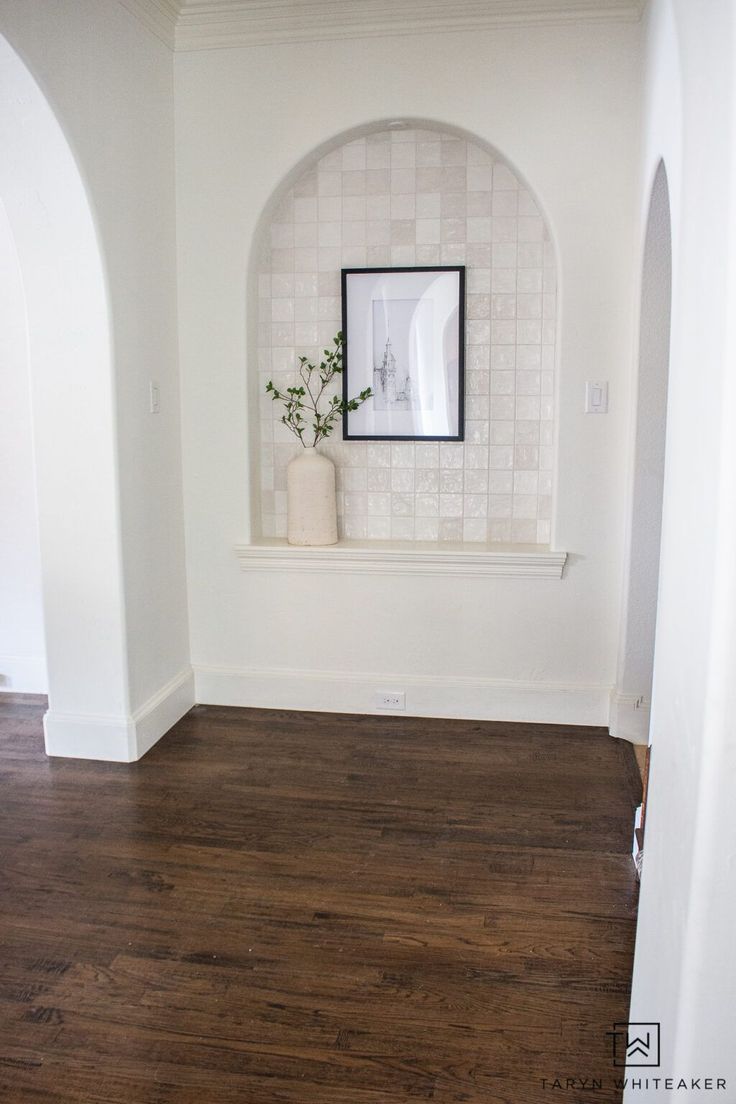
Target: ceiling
[[213, 24]]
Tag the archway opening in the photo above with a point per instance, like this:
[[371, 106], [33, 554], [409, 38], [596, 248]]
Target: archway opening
[[636, 655], [66, 320], [22, 645]]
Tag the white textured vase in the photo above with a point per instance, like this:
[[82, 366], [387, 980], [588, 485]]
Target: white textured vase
[[311, 503]]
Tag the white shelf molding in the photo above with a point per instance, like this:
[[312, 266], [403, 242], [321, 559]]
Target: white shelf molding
[[404, 558]]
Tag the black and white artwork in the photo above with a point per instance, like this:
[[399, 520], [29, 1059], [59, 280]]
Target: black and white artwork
[[403, 331], [399, 328]]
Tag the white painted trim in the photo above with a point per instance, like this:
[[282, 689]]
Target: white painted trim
[[161, 712], [89, 736], [120, 739], [159, 16], [384, 558], [426, 696], [217, 24], [23, 674], [627, 720]]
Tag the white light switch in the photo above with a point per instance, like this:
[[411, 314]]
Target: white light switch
[[596, 397], [154, 397]]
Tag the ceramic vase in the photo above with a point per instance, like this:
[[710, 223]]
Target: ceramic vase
[[311, 502]]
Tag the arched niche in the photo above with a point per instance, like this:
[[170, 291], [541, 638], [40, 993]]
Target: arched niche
[[402, 195], [73, 416]]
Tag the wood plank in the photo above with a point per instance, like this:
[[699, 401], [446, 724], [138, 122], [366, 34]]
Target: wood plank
[[314, 909]]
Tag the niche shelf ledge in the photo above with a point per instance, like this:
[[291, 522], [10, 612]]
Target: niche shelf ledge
[[404, 558]]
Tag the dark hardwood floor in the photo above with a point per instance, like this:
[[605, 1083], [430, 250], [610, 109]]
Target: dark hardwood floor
[[315, 909]]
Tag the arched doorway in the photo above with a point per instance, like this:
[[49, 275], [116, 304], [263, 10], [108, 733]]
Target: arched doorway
[[73, 418], [630, 706]]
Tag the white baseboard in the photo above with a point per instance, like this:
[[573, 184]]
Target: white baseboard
[[627, 719], [23, 674], [339, 692], [90, 736], [120, 739], [161, 712]]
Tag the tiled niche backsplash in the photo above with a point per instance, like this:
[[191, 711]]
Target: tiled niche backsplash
[[405, 197]]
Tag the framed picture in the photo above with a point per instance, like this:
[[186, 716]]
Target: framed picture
[[404, 331]]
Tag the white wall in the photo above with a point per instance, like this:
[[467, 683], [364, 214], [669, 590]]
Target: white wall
[[109, 82], [561, 105], [22, 647], [685, 969]]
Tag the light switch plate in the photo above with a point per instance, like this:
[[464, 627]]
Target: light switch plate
[[596, 397]]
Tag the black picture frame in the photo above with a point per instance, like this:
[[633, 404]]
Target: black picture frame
[[366, 319]]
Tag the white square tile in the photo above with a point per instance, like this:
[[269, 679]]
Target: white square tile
[[451, 481], [479, 178], [378, 155], [476, 481], [403, 181], [377, 207], [426, 529], [427, 205], [429, 153], [530, 230], [403, 206], [500, 482], [330, 234], [479, 204], [499, 505], [403, 155], [378, 505], [354, 155], [543, 532], [451, 454], [402, 479], [475, 529], [427, 505], [355, 182], [503, 178], [378, 479], [453, 253], [427, 254], [479, 229], [427, 480], [378, 528], [453, 205], [502, 432], [504, 204], [403, 255], [427, 455], [402, 454], [451, 529], [478, 156], [328, 183], [402, 528]]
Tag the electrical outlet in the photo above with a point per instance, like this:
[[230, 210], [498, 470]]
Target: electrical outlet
[[390, 699]]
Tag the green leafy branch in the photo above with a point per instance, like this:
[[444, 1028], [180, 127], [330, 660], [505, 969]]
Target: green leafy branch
[[302, 413]]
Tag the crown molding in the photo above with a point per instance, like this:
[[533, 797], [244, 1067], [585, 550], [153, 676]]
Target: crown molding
[[159, 16], [219, 24]]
